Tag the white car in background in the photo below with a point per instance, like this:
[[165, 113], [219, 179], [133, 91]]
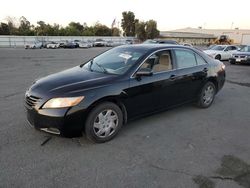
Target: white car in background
[[221, 52], [53, 45], [85, 44], [33, 45]]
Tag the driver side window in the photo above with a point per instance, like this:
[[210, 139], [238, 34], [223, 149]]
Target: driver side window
[[158, 62]]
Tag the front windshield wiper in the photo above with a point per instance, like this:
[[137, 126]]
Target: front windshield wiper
[[103, 68]]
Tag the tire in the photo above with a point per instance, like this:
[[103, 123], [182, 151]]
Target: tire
[[103, 122], [218, 57], [204, 101]]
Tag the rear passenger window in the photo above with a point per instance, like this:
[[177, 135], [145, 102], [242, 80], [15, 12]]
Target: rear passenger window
[[200, 60], [185, 58]]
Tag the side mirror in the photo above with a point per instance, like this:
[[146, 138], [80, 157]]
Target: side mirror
[[144, 72]]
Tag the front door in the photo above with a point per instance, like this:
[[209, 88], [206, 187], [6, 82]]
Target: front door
[[152, 93]]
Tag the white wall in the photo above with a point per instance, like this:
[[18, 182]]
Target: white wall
[[246, 39]]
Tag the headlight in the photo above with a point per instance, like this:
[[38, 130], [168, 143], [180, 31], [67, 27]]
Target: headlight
[[63, 102], [223, 66]]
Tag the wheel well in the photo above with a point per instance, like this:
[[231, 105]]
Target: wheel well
[[215, 82], [114, 100]]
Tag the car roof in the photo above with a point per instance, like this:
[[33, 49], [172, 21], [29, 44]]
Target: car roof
[[152, 46]]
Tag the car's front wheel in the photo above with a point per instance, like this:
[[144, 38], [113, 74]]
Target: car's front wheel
[[207, 95], [218, 57], [103, 122]]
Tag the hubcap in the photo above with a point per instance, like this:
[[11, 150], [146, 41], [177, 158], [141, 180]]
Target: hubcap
[[208, 95], [105, 123]]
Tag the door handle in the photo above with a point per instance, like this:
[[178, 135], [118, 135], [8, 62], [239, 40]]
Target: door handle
[[172, 77]]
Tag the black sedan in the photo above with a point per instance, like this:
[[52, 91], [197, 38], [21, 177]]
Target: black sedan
[[241, 57], [121, 84], [71, 45]]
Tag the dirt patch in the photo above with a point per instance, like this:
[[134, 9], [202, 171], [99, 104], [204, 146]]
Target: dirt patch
[[231, 169], [236, 169]]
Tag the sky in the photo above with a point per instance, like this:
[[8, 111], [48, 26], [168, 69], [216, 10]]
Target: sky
[[170, 15]]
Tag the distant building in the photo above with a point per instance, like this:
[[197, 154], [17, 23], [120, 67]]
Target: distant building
[[240, 36], [188, 37]]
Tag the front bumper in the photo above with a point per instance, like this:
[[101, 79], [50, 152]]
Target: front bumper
[[239, 60], [67, 122]]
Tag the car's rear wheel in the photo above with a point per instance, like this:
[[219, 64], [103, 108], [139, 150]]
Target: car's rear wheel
[[103, 122], [218, 57], [207, 95]]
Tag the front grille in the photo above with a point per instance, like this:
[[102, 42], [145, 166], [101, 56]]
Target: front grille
[[31, 100], [242, 56], [236, 56]]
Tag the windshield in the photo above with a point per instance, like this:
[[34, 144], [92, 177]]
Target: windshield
[[245, 49], [218, 48], [114, 61]]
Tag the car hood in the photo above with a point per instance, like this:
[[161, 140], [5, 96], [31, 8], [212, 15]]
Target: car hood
[[242, 53], [69, 82]]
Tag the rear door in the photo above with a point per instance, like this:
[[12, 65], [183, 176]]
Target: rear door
[[192, 71]]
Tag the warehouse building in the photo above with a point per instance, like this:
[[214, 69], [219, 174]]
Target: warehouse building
[[239, 36], [188, 37]]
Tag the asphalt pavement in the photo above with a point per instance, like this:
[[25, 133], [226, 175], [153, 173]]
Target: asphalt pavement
[[182, 147]]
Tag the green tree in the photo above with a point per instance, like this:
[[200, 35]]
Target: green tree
[[128, 23], [12, 23], [41, 29], [140, 30], [115, 31], [151, 29], [101, 30], [24, 27], [88, 31], [4, 29], [76, 25]]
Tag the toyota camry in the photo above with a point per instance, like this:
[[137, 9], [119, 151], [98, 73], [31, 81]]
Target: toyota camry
[[99, 96]]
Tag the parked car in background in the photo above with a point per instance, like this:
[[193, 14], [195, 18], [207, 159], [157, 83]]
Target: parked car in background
[[160, 41], [128, 41], [187, 44], [110, 43], [241, 57], [211, 46], [221, 52], [53, 45], [71, 45], [62, 44], [85, 44], [100, 43], [126, 82], [77, 42], [33, 45]]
